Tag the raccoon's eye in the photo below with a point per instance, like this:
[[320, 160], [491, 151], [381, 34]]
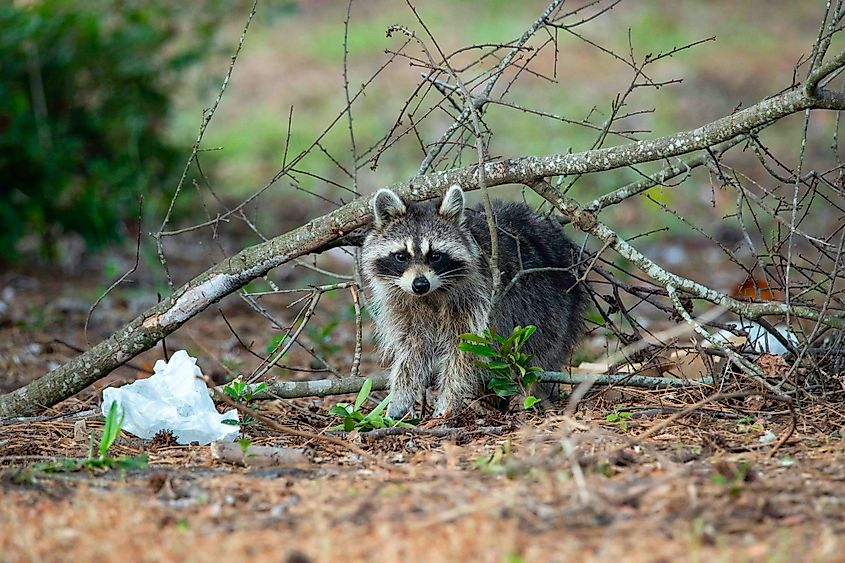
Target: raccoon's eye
[[436, 257], [401, 257]]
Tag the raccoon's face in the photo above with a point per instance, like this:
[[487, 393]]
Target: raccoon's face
[[418, 249]]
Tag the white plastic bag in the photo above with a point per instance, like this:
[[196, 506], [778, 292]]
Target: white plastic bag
[[174, 398]]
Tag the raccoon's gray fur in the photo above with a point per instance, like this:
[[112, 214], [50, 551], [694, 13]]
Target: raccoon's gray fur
[[428, 268]]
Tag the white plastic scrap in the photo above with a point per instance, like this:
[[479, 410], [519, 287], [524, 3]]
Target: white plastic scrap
[[174, 398], [761, 340]]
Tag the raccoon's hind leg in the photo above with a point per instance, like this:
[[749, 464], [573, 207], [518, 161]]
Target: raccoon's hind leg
[[409, 377]]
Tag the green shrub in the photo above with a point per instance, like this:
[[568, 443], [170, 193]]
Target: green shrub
[[509, 368], [84, 98]]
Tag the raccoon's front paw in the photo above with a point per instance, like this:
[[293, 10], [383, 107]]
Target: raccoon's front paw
[[401, 405], [446, 406]]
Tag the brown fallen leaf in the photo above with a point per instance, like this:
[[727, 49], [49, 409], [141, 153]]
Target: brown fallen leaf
[[772, 365]]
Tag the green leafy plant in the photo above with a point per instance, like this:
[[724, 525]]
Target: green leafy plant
[[733, 479], [103, 461], [619, 417], [496, 462], [748, 424], [503, 462], [244, 443], [354, 418], [243, 393], [510, 370]]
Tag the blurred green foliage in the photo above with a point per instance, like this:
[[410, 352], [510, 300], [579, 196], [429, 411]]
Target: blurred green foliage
[[84, 97]]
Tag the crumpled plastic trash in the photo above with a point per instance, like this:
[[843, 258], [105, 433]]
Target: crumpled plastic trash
[[761, 340], [173, 398]]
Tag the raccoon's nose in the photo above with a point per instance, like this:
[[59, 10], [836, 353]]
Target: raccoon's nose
[[420, 285]]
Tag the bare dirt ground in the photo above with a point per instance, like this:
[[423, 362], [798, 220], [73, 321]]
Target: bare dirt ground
[[673, 485]]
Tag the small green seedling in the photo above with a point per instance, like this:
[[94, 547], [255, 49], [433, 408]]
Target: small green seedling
[[244, 443], [734, 483], [748, 424], [354, 418], [103, 462], [496, 462], [111, 431], [243, 393], [502, 462], [509, 368], [619, 417]]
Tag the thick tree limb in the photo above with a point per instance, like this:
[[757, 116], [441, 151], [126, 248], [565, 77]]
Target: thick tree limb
[[230, 275]]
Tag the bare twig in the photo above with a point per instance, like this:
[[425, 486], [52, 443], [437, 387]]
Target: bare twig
[[119, 280]]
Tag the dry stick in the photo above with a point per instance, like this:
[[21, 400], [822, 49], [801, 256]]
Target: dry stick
[[354, 176], [286, 343], [30, 419], [416, 430], [79, 350], [359, 332], [291, 336], [349, 385], [353, 147], [309, 349], [485, 198], [667, 173], [121, 278], [270, 423], [684, 412], [793, 424], [228, 276], [320, 387], [470, 106]]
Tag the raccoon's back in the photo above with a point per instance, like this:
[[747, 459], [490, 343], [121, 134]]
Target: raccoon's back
[[554, 301], [526, 240]]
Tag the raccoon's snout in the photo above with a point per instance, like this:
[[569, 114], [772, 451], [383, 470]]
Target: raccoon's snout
[[420, 285]]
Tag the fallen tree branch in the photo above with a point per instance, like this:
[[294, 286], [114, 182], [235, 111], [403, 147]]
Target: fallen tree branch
[[228, 276], [319, 387], [349, 385]]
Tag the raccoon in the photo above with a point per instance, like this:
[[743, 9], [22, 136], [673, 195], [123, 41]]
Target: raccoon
[[427, 267]]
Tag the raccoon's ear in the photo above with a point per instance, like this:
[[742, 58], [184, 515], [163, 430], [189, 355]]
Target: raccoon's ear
[[386, 207], [453, 205]]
